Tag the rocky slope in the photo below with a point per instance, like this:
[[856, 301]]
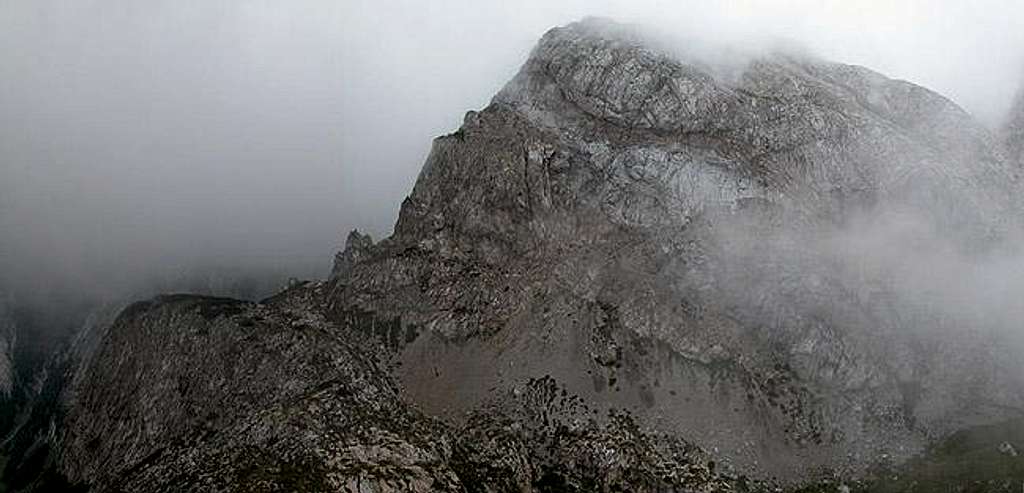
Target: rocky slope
[[191, 393], [638, 269]]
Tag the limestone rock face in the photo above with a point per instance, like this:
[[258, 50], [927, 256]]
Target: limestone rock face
[[225, 395], [192, 393], [643, 227], [356, 245]]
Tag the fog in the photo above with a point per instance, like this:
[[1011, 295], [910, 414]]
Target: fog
[[141, 139]]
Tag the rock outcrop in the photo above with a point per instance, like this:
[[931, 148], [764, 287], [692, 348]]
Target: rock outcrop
[[227, 395], [631, 271]]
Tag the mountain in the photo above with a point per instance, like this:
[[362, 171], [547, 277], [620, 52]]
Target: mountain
[[646, 265], [640, 225]]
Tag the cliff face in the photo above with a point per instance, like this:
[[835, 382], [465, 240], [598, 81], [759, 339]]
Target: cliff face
[[225, 394], [631, 270], [639, 226]]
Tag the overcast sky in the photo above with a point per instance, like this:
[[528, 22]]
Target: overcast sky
[[137, 135]]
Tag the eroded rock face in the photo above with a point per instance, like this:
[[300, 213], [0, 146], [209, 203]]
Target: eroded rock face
[[190, 393], [641, 228], [218, 394], [356, 247]]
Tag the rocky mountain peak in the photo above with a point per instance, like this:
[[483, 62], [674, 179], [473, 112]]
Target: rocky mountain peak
[[779, 128], [578, 226], [356, 246]]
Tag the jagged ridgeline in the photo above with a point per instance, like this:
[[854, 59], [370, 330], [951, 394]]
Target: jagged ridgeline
[[643, 267]]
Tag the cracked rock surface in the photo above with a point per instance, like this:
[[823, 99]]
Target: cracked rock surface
[[641, 226]]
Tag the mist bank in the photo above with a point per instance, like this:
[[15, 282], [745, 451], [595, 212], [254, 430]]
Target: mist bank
[[140, 139]]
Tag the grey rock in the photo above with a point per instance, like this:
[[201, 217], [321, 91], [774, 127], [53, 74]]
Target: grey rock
[[579, 227], [356, 246], [191, 393], [223, 395]]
